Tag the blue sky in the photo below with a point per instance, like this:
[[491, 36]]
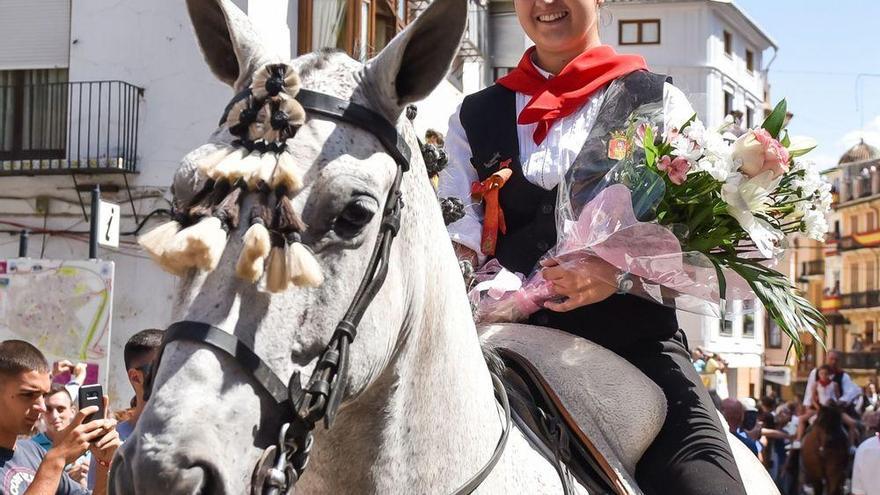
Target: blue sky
[[823, 46]]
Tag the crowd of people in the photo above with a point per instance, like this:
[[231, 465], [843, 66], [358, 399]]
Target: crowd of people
[[775, 430], [48, 445]]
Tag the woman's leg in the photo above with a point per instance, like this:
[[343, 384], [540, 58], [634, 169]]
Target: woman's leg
[[803, 422], [691, 455]]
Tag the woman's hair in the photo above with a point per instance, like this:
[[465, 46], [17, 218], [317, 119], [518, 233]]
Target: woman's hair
[[825, 368]]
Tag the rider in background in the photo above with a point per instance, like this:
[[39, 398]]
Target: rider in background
[[823, 390]]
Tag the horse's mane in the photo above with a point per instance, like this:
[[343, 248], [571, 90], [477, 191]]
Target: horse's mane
[[830, 420]]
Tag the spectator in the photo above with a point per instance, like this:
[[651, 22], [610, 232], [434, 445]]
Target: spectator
[[734, 413], [77, 375], [866, 468], [697, 358], [872, 399], [139, 354], [434, 137], [24, 466], [60, 412]]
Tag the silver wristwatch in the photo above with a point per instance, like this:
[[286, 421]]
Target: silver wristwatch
[[624, 282]]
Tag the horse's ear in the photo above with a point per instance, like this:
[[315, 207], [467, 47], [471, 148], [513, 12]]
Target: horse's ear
[[231, 46], [418, 58]]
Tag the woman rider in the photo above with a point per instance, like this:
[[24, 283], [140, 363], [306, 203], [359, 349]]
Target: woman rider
[[564, 101]]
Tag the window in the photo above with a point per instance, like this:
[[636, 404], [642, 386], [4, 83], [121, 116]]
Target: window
[[774, 334], [33, 114], [499, 72], [728, 103], [750, 61], [750, 117], [869, 276], [640, 32], [870, 224], [853, 278], [359, 27], [726, 328], [728, 43], [853, 224], [869, 332], [749, 326]]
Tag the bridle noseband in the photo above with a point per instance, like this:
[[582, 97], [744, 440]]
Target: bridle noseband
[[282, 464]]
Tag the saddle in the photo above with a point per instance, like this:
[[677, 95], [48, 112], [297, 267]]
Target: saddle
[[569, 398]]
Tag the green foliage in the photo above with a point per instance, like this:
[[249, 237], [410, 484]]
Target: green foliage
[[774, 122]]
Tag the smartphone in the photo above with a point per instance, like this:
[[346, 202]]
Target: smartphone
[[92, 395], [750, 420]]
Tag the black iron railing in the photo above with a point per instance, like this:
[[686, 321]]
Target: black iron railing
[[860, 360], [869, 299], [69, 127]]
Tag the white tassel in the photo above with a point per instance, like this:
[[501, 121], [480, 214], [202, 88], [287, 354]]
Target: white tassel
[[226, 165], [303, 267], [157, 241], [255, 249], [286, 174], [277, 278], [264, 173], [200, 245], [247, 167], [207, 163]]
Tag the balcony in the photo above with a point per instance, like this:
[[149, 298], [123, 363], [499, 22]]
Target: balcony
[[71, 127], [861, 240], [860, 360], [830, 304], [812, 268], [860, 300]]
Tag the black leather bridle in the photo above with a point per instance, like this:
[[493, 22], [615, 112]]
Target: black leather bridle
[[282, 464]]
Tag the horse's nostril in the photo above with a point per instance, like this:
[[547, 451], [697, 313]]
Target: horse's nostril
[[203, 477]]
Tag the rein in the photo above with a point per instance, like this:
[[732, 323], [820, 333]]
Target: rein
[[281, 465]]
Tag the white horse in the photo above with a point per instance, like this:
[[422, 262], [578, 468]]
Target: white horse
[[418, 414]]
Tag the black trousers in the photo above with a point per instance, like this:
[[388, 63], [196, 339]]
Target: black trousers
[[691, 455]]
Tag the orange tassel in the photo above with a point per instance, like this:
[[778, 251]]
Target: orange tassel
[[493, 222]]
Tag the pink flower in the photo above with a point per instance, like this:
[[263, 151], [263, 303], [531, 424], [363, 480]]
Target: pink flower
[[677, 168], [756, 152], [641, 130]]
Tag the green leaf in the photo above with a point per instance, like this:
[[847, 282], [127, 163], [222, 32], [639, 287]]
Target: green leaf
[[800, 146], [773, 123], [786, 141], [650, 148]]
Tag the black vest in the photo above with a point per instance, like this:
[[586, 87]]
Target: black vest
[[489, 121]]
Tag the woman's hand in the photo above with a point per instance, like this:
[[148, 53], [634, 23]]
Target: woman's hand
[[582, 280]]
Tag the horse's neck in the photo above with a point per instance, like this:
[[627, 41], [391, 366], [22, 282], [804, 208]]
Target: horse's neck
[[431, 420]]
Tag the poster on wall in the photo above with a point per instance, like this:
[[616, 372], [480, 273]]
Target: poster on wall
[[61, 306]]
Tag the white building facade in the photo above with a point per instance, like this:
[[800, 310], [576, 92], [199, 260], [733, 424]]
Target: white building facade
[[115, 93]]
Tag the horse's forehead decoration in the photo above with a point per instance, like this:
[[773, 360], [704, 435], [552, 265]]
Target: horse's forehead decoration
[[263, 117]]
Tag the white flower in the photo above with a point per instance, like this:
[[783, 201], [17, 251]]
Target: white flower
[[746, 197], [686, 148], [815, 224], [825, 198], [811, 180]]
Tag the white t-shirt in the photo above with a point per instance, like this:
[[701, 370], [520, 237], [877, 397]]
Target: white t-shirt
[[827, 393], [866, 469]]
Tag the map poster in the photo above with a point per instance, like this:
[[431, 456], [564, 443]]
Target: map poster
[[62, 307]]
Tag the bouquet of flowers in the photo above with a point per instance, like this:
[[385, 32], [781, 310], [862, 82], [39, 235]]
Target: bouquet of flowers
[[694, 217]]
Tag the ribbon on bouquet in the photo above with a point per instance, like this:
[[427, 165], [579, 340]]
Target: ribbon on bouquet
[[493, 221]]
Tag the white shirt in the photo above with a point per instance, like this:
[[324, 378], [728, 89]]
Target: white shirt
[[849, 393], [866, 468], [543, 164], [827, 393]]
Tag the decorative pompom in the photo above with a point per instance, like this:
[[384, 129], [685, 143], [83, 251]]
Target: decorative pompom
[[277, 277], [411, 112], [275, 80], [232, 161], [287, 116], [303, 267], [158, 239], [207, 202], [241, 114], [286, 219], [286, 174], [200, 245], [435, 158], [453, 210], [206, 163], [257, 130], [255, 249], [264, 173]]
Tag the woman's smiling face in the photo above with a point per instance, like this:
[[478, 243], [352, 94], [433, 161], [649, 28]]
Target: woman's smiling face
[[559, 25]]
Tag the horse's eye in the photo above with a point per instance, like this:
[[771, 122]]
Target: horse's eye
[[354, 217]]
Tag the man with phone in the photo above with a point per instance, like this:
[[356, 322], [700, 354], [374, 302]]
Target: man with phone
[[25, 468]]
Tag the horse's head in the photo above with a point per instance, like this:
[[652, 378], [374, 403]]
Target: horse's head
[[277, 218]]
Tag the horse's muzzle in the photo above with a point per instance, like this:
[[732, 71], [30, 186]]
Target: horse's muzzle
[[138, 476]]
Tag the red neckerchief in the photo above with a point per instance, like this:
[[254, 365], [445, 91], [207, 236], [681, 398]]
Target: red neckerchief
[[564, 93]]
